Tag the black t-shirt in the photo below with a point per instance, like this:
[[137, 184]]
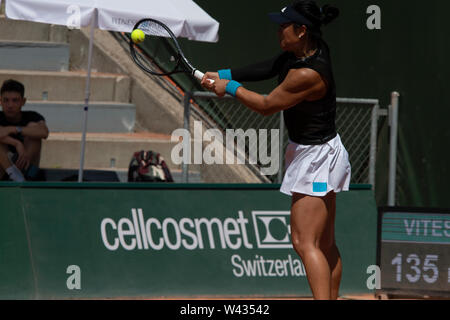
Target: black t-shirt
[[309, 122], [27, 117]]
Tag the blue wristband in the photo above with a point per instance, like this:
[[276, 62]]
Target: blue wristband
[[225, 74], [232, 87]]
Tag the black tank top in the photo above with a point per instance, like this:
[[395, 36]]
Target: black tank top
[[312, 122]]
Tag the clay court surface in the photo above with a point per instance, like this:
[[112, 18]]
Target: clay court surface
[[234, 298], [344, 297]]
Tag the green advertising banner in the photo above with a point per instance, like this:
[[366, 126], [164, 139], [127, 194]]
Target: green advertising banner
[[16, 277], [91, 240]]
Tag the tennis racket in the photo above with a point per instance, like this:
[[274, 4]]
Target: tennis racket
[[162, 45]]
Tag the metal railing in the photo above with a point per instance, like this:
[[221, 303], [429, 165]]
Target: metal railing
[[393, 123], [356, 123]]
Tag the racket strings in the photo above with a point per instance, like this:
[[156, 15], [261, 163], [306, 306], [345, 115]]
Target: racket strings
[[151, 28]]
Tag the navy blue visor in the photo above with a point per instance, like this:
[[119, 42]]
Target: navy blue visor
[[289, 15]]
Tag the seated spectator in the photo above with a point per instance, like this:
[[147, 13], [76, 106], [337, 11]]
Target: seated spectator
[[21, 134]]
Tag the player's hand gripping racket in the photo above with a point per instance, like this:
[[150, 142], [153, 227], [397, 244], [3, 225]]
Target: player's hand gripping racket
[[163, 44]]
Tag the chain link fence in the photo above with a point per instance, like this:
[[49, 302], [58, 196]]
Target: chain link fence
[[356, 123]]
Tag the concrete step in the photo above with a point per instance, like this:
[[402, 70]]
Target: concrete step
[[194, 176], [113, 151], [109, 117], [107, 175], [34, 55], [103, 150], [70, 85], [24, 30]]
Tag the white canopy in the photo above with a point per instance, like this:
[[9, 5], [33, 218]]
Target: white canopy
[[184, 17]]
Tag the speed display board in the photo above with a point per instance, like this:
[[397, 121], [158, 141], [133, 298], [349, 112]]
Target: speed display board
[[413, 251]]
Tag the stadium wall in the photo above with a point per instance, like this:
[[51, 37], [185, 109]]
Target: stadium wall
[[67, 240]]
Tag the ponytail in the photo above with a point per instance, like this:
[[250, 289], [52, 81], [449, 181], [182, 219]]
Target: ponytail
[[329, 13]]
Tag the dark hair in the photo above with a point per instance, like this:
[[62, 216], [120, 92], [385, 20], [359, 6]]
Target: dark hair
[[13, 86], [317, 16]]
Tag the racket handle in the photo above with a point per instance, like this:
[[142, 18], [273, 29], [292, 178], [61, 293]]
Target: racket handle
[[199, 75]]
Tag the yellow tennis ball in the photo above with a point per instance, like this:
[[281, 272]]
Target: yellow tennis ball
[[137, 36]]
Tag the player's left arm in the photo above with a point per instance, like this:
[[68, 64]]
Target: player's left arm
[[299, 85], [36, 130]]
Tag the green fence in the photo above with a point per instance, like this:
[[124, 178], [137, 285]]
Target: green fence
[[66, 240]]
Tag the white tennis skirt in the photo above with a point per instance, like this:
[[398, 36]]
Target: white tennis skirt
[[316, 170]]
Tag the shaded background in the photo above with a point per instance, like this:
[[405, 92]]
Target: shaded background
[[408, 55]]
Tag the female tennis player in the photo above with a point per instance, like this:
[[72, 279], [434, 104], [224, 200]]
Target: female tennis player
[[317, 165]]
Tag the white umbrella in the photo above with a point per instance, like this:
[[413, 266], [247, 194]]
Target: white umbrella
[[184, 17]]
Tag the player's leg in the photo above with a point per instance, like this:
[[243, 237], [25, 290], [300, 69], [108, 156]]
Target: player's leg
[[309, 216], [329, 248]]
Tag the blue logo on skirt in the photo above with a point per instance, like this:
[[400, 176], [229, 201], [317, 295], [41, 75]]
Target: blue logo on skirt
[[319, 186]]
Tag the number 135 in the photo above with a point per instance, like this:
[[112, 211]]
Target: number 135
[[414, 263]]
